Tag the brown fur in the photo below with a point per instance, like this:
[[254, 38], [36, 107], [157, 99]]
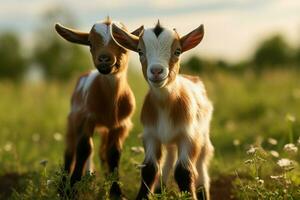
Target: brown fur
[[107, 102], [106, 105], [150, 108]]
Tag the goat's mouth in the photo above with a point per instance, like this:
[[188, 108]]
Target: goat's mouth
[[105, 69], [157, 80], [108, 69]]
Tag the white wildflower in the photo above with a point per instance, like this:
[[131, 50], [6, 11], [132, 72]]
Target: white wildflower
[[138, 149], [291, 148], [43, 162], [291, 118], [236, 142], [8, 146], [251, 150], [272, 141], [274, 153], [284, 163], [57, 136], [284, 191], [248, 161], [260, 181], [276, 177]]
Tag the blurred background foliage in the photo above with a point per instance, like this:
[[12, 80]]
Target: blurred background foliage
[[12, 60], [60, 60], [50, 55]]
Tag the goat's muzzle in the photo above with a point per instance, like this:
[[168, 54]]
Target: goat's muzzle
[[106, 63], [104, 68]]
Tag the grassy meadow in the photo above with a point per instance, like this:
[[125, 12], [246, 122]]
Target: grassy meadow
[[255, 116]]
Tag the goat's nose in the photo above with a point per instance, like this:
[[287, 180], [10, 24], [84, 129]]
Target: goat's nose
[[104, 58], [156, 70]]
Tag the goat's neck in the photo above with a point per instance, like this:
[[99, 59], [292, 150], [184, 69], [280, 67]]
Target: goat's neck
[[116, 82], [164, 93]]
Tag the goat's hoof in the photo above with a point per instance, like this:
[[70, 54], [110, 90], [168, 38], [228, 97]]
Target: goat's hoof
[[118, 198], [159, 189], [201, 195], [116, 193]]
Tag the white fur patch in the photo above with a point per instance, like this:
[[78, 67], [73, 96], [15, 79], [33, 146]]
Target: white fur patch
[[83, 86], [158, 50], [105, 30], [89, 80], [150, 145], [81, 83]]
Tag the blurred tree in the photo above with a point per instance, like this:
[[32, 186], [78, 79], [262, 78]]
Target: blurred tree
[[12, 61], [272, 52], [194, 64], [58, 58], [297, 56]]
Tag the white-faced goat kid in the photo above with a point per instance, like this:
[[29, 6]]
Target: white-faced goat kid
[[102, 100], [176, 111]]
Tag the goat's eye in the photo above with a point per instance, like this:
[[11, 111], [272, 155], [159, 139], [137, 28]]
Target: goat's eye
[[140, 52], [177, 52]]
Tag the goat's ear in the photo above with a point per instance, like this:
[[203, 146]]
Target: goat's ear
[[138, 32], [72, 35], [192, 39], [124, 39]]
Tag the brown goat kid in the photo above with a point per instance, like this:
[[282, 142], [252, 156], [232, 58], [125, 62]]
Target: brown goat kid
[[176, 111], [102, 100]]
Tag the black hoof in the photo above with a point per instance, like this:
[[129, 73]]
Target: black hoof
[[115, 192], [201, 195]]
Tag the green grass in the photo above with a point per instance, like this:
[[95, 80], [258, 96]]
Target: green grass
[[247, 108]]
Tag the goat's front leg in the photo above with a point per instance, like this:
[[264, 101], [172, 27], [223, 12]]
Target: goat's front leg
[[171, 155], [114, 142], [150, 166], [83, 151], [72, 136], [185, 171], [69, 155]]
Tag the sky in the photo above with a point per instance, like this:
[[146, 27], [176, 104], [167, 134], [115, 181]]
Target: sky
[[233, 28]]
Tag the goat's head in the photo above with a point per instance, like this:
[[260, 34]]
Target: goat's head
[[108, 56], [159, 50]]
